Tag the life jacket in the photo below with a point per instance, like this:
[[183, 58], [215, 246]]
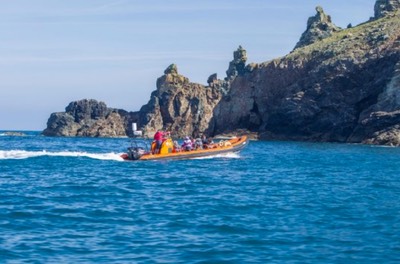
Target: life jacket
[[167, 146]]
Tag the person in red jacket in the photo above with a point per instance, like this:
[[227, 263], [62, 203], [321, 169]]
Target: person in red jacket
[[159, 137]]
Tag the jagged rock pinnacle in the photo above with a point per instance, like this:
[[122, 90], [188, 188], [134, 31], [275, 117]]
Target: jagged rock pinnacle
[[238, 64], [319, 27], [383, 7], [171, 69], [212, 78]]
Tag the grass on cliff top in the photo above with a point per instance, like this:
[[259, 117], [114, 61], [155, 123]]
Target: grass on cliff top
[[364, 35]]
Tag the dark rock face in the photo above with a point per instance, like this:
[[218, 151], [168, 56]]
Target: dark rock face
[[87, 109], [380, 123], [384, 7], [89, 118], [319, 27], [343, 89]]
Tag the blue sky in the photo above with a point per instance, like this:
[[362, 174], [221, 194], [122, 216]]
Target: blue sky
[[53, 52]]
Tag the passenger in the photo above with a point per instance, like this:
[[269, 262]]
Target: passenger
[[204, 141], [210, 143], [158, 138], [187, 144], [177, 147], [198, 144]]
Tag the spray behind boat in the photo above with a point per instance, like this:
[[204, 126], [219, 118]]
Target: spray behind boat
[[136, 151]]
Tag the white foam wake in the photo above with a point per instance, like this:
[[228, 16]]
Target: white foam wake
[[23, 154], [229, 155]]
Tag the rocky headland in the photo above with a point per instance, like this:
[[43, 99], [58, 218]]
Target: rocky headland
[[89, 118], [337, 85]]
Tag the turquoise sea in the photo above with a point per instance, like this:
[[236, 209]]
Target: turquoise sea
[[72, 200]]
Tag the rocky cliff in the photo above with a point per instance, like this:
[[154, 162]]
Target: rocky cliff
[[342, 88], [338, 85]]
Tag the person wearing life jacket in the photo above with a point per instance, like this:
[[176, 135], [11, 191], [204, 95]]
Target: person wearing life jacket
[[158, 138], [187, 144]]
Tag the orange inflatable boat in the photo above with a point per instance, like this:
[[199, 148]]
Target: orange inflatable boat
[[169, 152]]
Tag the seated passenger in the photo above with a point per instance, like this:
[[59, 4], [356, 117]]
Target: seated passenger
[[210, 143], [198, 144], [177, 147], [187, 144], [204, 139]]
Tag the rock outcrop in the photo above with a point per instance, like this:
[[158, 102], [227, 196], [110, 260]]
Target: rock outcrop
[[344, 88], [89, 118], [237, 65], [182, 107], [319, 27], [336, 86], [384, 7]]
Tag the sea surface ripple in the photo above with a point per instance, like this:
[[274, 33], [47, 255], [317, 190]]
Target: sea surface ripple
[[73, 200]]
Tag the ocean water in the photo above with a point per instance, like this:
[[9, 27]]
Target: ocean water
[[73, 200]]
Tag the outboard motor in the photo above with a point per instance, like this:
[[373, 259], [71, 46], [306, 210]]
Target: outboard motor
[[134, 153]]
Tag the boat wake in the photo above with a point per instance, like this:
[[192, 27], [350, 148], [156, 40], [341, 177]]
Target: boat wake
[[229, 155], [23, 154]]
